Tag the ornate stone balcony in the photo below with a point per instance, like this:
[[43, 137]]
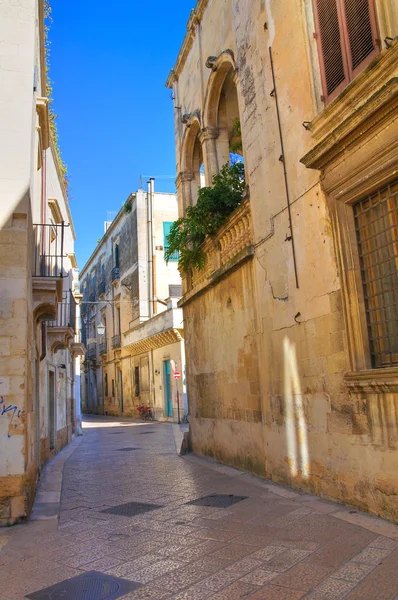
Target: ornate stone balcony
[[231, 246]]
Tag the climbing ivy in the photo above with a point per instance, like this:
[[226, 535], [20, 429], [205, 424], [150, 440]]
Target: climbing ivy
[[212, 209], [49, 93]]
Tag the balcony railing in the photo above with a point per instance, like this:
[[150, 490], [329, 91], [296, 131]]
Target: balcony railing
[[48, 259], [66, 313], [116, 341], [115, 274], [91, 353], [101, 287], [103, 348]]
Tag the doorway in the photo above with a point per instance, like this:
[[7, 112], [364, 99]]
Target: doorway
[[51, 408], [167, 388], [120, 390]]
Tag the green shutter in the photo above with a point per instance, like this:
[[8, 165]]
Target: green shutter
[[166, 230]]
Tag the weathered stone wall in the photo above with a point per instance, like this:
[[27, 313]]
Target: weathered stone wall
[[316, 431]]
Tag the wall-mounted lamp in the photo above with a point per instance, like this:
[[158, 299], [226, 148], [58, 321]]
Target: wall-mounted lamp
[[101, 329]]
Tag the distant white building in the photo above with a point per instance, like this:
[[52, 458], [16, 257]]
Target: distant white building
[[132, 327]]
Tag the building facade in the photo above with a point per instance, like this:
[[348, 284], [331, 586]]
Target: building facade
[[300, 285], [132, 328], [38, 270]]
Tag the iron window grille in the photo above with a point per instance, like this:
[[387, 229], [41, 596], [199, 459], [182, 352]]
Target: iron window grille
[[48, 256], [116, 342], [66, 312], [376, 223]]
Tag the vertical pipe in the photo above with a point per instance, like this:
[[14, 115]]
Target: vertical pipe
[[154, 292], [149, 251], [275, 94]]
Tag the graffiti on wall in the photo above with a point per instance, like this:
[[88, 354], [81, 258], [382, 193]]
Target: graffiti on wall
[[10, 409]]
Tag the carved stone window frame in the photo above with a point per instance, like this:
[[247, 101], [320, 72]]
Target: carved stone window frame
[[356, 150]]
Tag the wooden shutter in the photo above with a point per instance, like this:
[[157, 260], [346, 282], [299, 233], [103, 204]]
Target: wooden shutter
[[346, 34], [360, 31], [330, 45]]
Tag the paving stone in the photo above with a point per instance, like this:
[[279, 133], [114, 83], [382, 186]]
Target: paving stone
[[259, 576], [371, 556], [353, 571], [275, 592], [275, 545], [331, 589], [236, 591], [304, 576]]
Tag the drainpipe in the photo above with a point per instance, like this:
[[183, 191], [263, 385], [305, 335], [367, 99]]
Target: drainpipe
[[149, 248], [155, 307]]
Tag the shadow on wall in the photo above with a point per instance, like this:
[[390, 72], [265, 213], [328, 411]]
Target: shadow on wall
[[296, 428]]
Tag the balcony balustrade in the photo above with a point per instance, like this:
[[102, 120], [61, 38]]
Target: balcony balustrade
[[115, 274], [48, 259], [116, 342]]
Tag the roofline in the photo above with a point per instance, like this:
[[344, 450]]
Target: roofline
[[106, 234], [194, 18], [113, 225]]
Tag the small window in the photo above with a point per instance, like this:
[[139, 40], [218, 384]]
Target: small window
[[103, 272], [376, 223], [346, 34], [113, 388], [136, 381], [166, 230], [106, 384], [117, 266], [175, 291]]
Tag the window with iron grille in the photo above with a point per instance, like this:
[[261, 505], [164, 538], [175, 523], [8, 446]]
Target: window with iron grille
[[376, 223], [347, 39]]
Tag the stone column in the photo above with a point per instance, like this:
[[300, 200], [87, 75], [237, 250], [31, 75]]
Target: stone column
[[208, 139], [184, 191]]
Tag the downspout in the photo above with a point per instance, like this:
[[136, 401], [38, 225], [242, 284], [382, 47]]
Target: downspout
[[149, 250], [282, 159], [155, 307]]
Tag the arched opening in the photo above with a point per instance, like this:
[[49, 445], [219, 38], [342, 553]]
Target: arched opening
[[229, 141], [192, 164]]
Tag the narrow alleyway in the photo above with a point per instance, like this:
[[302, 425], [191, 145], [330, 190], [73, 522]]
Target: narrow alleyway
[[130, 511]]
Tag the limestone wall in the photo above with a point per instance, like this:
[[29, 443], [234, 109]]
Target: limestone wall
[[291, 327]]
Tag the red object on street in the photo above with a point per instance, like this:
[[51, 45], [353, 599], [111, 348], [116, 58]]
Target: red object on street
[[177, 375]]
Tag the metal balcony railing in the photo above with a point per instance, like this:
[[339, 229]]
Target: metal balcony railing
[[115, 274], [48, 259], [101, 287], [66, 313], [91, 353], [116, 342], [103, 348]]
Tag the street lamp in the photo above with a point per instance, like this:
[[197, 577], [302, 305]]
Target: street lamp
[[101, 329]]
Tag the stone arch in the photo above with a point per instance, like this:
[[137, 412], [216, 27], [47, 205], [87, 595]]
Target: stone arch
[[221, 66], [221, 111], [190, 180]]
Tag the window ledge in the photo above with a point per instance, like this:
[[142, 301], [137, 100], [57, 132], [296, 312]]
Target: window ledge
[[373, 381], [366, 101]]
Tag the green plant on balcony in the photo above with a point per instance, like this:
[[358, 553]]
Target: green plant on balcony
[[215, 204]]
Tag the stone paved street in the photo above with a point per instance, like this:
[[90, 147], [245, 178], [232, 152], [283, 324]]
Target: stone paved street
[[274, 545]]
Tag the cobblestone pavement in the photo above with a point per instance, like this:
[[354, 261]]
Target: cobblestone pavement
[[273, 545]]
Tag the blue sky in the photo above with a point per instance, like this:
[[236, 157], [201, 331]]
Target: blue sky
[[109, 63]]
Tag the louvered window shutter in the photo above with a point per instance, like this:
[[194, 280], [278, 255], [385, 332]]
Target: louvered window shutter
[[330, 45], [346, 38], [360, 31]]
